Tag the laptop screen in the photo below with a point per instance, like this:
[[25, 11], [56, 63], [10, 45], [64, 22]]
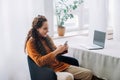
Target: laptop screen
[[99, 38]]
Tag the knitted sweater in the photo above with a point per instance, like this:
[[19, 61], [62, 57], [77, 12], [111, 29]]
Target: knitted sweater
[[49, 59]]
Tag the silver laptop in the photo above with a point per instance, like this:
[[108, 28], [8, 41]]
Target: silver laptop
[[98, 41]]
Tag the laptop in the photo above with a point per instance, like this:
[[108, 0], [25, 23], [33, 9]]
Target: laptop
[[98, 41]]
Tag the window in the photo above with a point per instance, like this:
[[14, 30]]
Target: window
[[70, 24], [75, 24]]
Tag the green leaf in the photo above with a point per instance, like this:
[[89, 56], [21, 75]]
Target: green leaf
[[74, 7], [65, 11], [75, 2], [71, 16], [62, 23], [70, 6]]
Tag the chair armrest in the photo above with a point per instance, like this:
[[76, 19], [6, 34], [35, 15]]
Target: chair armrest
[[69, 60], [40, 73]]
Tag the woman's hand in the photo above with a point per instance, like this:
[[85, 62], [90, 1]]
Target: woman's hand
[[66, 47], [60, 49]]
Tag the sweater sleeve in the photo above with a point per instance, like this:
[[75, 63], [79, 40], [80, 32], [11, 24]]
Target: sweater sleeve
[[37, 58]]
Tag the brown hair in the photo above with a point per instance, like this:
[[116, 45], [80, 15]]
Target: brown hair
[[37, 23]]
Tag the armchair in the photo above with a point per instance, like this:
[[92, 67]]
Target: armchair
[[44, 73]]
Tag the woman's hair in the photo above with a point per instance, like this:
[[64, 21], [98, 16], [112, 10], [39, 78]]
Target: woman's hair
[[36, 24]]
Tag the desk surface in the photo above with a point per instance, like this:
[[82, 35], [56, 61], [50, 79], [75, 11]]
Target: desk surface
[[104, 63], [112, 48]]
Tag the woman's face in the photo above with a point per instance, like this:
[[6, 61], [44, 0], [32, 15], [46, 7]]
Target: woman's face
[[44, 29]]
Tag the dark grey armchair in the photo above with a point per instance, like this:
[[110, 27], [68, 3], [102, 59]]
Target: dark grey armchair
[[44, 73]]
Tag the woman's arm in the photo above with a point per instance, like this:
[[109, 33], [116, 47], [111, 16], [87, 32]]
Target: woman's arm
[[37, 58], [53, 44]]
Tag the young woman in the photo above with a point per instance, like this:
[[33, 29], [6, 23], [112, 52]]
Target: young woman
[[43, 52]]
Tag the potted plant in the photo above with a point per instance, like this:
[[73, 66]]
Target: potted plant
[[63, 13]]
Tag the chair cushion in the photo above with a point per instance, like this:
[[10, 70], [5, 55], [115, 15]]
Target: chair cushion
[[64, 76]]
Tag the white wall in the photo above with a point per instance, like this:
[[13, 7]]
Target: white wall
[[15, 20]]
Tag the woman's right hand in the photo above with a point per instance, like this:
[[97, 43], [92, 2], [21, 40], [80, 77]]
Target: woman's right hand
[[60, 49]]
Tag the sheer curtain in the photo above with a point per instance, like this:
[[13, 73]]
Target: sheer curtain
[[15, 20]]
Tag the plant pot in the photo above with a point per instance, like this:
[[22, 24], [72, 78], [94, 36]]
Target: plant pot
[[61, 30]]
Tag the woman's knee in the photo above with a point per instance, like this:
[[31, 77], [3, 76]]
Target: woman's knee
[[64, 76], [69, 77], [89, 74], [86, 74]]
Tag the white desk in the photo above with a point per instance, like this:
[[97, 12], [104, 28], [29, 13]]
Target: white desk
[[103, 63]]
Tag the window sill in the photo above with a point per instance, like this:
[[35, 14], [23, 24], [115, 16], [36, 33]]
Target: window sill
[[70, 34], [82, 33]]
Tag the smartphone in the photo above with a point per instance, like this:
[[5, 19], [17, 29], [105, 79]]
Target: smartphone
[[65, 42]]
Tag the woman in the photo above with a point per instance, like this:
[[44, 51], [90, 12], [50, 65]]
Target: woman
[[43, 52]]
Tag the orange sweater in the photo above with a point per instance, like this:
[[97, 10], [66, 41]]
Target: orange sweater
[[48, 59]]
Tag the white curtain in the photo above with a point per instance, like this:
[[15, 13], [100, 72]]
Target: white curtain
[[15, 20], [116, 19]]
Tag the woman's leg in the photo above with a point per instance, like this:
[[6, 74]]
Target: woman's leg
[[64, 76], [80, 73]]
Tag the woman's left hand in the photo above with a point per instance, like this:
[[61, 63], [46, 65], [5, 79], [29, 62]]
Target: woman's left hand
[[66, 47]]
